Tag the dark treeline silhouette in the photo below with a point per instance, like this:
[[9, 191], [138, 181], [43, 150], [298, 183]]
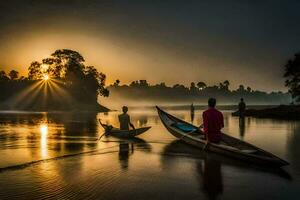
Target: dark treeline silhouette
[[60, 82], [197, 92], [292, 75]]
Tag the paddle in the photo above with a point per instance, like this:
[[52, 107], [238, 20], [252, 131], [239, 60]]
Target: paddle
[[103, 125], [206, 144], [99, 138]]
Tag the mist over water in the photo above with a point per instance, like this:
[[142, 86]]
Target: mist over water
[[56, 156]]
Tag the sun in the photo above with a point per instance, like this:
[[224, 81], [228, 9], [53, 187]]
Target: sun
[[46, 77]]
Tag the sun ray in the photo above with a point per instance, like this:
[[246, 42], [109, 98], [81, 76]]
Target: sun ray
[[20, 97], [62, 92], [32, 97]]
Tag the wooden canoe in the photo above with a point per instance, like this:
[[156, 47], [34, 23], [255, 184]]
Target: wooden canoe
[[109, 130], [229, 145]]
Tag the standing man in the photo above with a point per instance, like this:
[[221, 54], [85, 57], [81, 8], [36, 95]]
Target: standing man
[[242, 108], [213, 122], [124, 119]]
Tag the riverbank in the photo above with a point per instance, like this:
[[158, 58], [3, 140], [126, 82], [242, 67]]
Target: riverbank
[[279, 112]]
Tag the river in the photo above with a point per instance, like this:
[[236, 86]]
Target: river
[[57, 156]]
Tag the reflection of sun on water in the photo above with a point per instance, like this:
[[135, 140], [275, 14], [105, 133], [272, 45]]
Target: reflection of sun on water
[[44, 133]]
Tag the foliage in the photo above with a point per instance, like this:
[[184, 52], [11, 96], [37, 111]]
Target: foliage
[[68, 65], [3, 76], [292, 75], [142, 91], [68, 74], [13, 74]]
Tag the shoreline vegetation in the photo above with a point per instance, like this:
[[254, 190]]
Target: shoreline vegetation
[[141, 92], [61, 82]]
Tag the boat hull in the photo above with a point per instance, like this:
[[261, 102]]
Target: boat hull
[[126, 133], [265, 158]]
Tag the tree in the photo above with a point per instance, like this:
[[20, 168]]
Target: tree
[[249, 89], [95, 82], [134, 84], [292, 75], [35, 71], [3, 76], [241, 88], [201, 85], [143, 83], [117, 82], [224, 85], [13, 74], [193, 87], [68, 66], [65, 64], [179, 86]]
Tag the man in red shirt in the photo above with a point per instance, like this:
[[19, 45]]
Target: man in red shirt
[[213, 122]]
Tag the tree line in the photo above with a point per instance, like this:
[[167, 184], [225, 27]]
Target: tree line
[[63, 72], [83, 84], [196, 92], [200, 91]]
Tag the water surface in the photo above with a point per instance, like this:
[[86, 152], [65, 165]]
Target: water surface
[[57, 156]]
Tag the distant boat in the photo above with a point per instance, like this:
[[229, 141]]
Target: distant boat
[[110, 130], [229, 146]]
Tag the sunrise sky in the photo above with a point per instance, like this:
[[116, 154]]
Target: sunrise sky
[[168, 41]]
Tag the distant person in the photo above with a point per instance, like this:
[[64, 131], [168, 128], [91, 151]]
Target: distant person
[[242, 108], [124, 119], [192, 112], [213, 122]]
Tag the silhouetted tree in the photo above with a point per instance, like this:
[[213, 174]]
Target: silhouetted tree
[[201, 85], [241, 88], [249, 89], [134, 84], [292, 75], [179, 86], [224, 85], [143, 83], [13, 74], [95, 82], [3, 76], [35, 71], [163, 84], [181, 93], [117, 82], [83, 83], [193, 87]]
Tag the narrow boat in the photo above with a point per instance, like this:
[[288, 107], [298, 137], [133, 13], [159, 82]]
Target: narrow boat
[[110, 130], [228, 146]]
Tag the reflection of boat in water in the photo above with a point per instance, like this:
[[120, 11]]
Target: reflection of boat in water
[[110, 130], [178, 148], [140, 144], [229, 146]]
